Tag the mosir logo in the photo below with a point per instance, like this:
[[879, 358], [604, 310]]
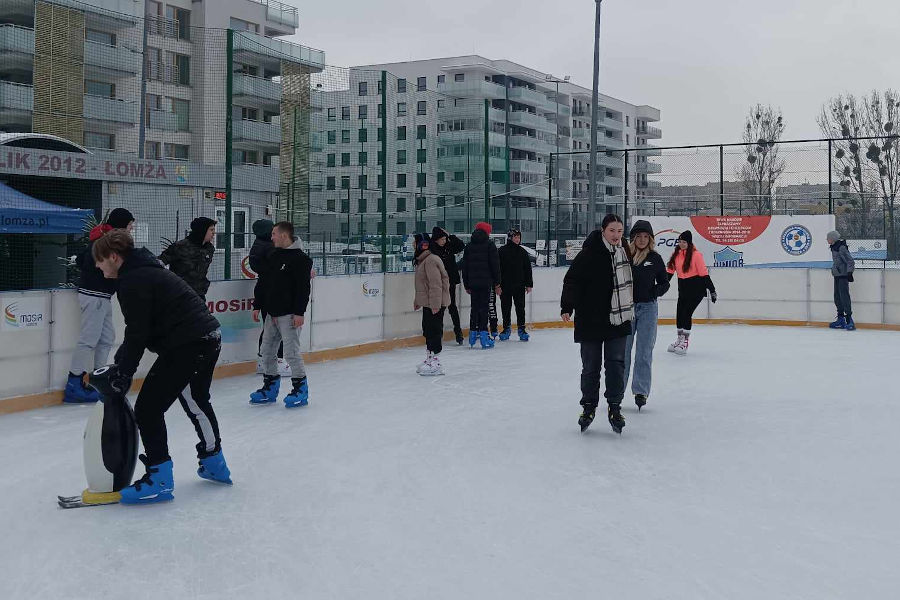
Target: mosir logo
[[15, 317], [369, 291]]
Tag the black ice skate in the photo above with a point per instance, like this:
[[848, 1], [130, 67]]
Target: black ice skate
[[616, 420], [640, 400], [587, 417]]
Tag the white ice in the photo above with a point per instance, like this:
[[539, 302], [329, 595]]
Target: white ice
[[764, 466]]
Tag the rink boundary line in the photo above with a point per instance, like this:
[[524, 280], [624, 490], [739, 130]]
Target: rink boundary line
[[34, 401]]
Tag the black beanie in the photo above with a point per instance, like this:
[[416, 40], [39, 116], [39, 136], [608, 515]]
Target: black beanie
[[437, 233], [119, 218], [199, 227], [263, 229], [687, 236], [641, 227]]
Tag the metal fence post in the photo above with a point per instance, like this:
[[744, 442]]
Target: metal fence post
[[625, 208], [384, 160], [722, 180], [487, 167], [549, 206], [229, 100], [830, 184]]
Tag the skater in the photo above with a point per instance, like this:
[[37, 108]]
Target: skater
[[95, 299], [650, 282], [447, 246], [190, 258], [164, 315], [432, 296], [285, 297], [598, 289], [259, 253], [842, 267], [693, 282], [481, 276], [515, 272]]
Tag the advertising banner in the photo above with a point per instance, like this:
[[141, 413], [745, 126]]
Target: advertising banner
[[231, 303], [741, 241], [868, 249], [24, 313]]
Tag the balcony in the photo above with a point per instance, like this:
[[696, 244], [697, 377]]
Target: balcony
[[278, 12], [257, 87], [528, 166], [613, 124], [531, 144], [476, 89], [16, 40], [649, 132], [528, 96], [581, 112], [475, 164], [581, 134], [100, 108], [278, 50], [258, 131], [16, 105], [111, 58], [649, 185], [163, 121], [530, 120], [648, 167]]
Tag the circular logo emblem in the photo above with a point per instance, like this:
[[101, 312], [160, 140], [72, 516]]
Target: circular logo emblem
[[796, 240]]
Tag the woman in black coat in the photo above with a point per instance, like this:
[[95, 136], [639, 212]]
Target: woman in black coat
[[446, 247]]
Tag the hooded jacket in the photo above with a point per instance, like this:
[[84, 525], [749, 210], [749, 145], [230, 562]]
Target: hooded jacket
[[447, 253], [190, 258], [161, 310], [480, 263], [91, 281], [432, 282], [515, 268], [842, 264], [284, 287], [587, 292], [262, 245]]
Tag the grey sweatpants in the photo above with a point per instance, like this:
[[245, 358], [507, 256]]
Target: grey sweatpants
[[279, 330], [97, 334]]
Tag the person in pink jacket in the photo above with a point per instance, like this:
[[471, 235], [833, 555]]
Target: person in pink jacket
[[693, 283], [433, 297]]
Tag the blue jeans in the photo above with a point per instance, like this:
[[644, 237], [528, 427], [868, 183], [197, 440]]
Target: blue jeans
[[643, 327]]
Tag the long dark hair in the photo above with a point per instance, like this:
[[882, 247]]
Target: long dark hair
[[688, 255], [608, 220]]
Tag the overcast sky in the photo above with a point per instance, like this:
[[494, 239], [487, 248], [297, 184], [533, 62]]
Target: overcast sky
[[702, 62]]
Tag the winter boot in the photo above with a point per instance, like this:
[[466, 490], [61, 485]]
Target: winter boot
[[523, 335], [473, 337], [616, 420], [841, 323], [214, 468], [299, 395], [77, 393], [425, 363], [268, 393], [505, 334], [459, 336], [433, 367], [677, 342], [156, 485], [682, 348], [640, 400], [851, 326], [487, 342], [587, 417]]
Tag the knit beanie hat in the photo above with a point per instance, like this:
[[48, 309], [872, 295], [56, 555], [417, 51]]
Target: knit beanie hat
[[437, 233], [641, 227], [119, 218], [832, 237], [485, 227], [199, 227], [263, 228], [687, 236]]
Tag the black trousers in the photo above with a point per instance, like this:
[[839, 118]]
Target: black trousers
[[506, 301], [842, 297], [184, 373], [609, 355], [433, 329], [480, 311], [687, 304], [453, 309]]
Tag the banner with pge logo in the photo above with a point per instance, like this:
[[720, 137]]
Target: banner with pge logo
[[759, 241]]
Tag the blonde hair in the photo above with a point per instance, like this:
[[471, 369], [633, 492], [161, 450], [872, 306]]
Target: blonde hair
[[638, 256]]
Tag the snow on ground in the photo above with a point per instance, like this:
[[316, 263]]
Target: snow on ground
[[764, 466]]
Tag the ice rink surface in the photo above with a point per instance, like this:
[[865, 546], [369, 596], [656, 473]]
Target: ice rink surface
[[764, 466]]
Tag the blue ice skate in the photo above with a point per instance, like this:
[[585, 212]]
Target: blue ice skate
[[850, 325], [523, 335], [505, 334], [486, 341], [214, 468], [473, 337], [841, 323], [299, 394], [156, 485], [77, 393], [268, 393]]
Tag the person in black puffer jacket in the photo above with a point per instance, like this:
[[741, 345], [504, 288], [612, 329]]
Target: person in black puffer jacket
[[260, 251], [190, 258], [515, 271], [481, 274], [446, 247], [164, 315]]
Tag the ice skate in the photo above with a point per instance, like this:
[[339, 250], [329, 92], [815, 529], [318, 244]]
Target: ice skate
[[299, 394], [433, 368], [214, 468], [523, 335], [840, 323], [682, 348], [616, 420], [268, 393], [587, 417], [640, 400], [156, 485]]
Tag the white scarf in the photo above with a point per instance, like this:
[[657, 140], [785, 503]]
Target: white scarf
[[622, 302]]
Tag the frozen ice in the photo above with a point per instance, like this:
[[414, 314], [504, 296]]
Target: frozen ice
[[764, 466]]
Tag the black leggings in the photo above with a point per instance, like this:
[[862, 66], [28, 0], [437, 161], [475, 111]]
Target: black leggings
[[480, 311], [687, 304], [454, 311], [433, 329]]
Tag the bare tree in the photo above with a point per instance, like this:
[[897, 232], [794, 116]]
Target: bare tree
[[762, 131], [882, 111]]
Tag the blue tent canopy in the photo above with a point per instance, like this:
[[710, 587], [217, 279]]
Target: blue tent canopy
[[20, 213]]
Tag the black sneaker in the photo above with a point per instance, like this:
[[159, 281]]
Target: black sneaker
[[616, 420], [587, 417], [640, 400], [459, 337]]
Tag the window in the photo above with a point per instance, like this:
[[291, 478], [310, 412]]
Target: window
[[442, 79], [362, 203], [153, 102], [380, 134], [381, 111], [100, 37], [401, 109], [401, 204], [401, 86], [380, 182], [345, 113], [182, 110], [152, 150], [421, 179], [330, 183], [627, 120], [401, 228], [421, 132], [99, 88], [421, 203], [183, 24], [249, 114], [381, 205], [363, 88], [380, 158], [421, 84], [345, 229], [401, 157], [421, 107], [329, 205], [239, 218], [345, 205], [440, 176], [627, 139], [363, 182], [345, 159], [345, 182], [421, 155], [242, 25], [330, 158], [331, 114], [363, 112], [345, 136], [401, 180], [246, 157], [441, 202], [442, 103], [182, 67], [459, 176], [459, 226], [251, 70], [363, 135], [459, 201], [459, 77], [401, 133], [103, 141], [363, 158], [332, 137], [178, 151]]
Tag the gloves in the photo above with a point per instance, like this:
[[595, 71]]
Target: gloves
[[119, 382], [713, 296]]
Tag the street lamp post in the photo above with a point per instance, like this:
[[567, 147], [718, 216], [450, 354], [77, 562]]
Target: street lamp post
[[595, 100]]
